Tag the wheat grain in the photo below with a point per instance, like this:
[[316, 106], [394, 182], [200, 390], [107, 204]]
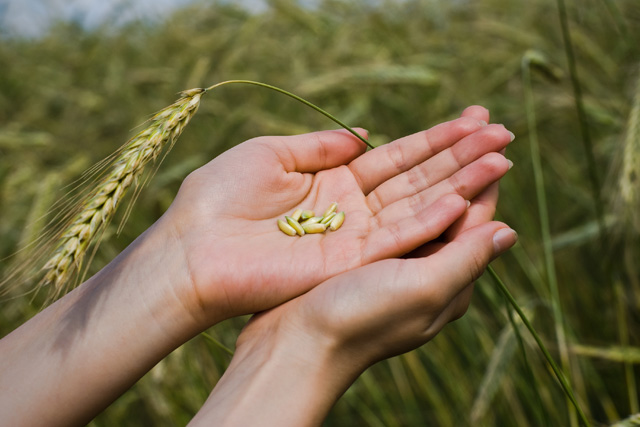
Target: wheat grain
[[312, 224], [312, 220], [337, 221], [286, 228], [331, 209], [295, 225], [327, 218], [314, 228], [297, 214], [126, 167], [306, 214]]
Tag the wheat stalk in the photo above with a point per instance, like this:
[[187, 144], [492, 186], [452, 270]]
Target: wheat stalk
[[98, 208]]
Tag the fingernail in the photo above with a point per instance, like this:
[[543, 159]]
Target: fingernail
[[468, 203], [512, 135], [510, 164], [482, 123], [503, 239]]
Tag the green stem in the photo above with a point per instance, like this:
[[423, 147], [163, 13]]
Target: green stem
[[532, 379], [545, 228], [297, 98], [582, 119], [559, 375], [217, 343]]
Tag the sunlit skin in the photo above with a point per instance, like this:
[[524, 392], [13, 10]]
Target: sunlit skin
[[218, 252], [302, 355], [396, 197]]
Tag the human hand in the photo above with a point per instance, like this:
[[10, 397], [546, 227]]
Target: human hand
[[303, 354], [394, 305], [396, 198], [450, 263]]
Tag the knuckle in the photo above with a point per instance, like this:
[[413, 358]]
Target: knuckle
[[397, 157], [415, 204], [458, 185], [374, 202], [417, 179]]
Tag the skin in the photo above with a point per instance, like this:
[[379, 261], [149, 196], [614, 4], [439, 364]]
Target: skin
[[217, 253], [393, 200], [293, 362]]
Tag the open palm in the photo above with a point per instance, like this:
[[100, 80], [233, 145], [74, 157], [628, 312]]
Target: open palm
[[396, 198]]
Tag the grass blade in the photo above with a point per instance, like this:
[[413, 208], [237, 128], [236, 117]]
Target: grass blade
[[558, 373]]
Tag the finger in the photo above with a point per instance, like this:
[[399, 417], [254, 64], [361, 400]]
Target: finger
[[461, 261], [481, 210], [416, 227], [441, 166], [467, 183], [376, 166], [316, 151], [477, 112]]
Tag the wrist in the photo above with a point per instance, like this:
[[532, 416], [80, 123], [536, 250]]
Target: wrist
[[276, 366], [155, 269]]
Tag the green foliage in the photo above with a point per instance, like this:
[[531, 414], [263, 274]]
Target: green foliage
[[71, 98]]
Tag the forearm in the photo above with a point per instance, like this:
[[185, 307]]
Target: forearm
[[74, 358], [278, 380]]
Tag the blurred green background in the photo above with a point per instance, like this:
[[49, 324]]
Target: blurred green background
[[73, 95]]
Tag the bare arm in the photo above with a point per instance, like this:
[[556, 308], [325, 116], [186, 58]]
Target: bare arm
[[78, 355]]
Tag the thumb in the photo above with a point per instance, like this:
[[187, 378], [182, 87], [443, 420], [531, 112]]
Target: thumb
[[313, 152], [461, 261]]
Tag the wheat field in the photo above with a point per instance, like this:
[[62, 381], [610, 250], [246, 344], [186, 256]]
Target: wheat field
[[73, 96]]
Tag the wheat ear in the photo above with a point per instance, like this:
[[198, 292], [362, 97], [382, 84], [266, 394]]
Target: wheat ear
[[84, 226], [98, 208]]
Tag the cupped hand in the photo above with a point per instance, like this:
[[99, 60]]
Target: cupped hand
[[396, 198], [385, 308]]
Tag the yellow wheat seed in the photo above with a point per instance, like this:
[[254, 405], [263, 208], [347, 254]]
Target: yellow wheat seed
[[312, 220], [306, 214], [327, 219], [303, 222], [314, 228], [337, 221], [295, 224], [331, 209], [297, 214], [286, 228]]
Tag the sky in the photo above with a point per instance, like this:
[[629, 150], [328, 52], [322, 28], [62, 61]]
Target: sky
[[31, 17]]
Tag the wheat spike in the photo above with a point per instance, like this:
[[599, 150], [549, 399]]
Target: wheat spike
[[126, 166]]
